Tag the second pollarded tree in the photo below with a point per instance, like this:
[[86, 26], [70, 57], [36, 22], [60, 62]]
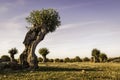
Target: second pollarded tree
[[12, 52], [44, 52]]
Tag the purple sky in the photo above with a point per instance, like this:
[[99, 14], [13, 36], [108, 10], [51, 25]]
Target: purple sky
[[86, 24]]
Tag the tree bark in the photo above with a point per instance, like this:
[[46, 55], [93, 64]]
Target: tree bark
[[28, 58], [32, 58], [12, 57], [44, 59]]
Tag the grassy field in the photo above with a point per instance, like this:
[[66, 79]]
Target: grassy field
[[66, 71]]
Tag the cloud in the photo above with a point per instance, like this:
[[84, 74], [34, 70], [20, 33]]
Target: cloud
[[18, 17], [16, 22], [68, 7], [11, 26], [12, 29], [12, 32], [3, 9], [21, 2], [7, 6], [80, 24], [74, 6]]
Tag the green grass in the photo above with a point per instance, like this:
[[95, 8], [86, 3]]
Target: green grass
[[66, 71]]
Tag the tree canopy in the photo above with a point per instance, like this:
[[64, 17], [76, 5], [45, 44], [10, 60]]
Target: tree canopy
[[103, 57], [95, 52], [43, 51], [42, 21], [13, 51], [48, 17]]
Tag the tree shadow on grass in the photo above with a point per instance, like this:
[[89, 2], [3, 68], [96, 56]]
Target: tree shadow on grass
[[49, 68]]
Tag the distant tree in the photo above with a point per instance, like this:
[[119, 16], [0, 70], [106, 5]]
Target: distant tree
[[103, 57], [77, 59], [40, 59], [12, 52], [47, 60], [5, 58], [67, 59], [95, 54], [61, 60], [72, 60], [51, 60], [92, 59], [86, 59], [56, 60], [44, 52]]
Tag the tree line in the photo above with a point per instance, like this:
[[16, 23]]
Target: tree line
[[96, 54]]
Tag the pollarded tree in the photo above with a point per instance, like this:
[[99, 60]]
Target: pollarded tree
[[12, 52], [103, 57], [95, 54], [44, 21], [44, 52]]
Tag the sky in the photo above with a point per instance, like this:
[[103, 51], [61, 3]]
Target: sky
[[85, 24]]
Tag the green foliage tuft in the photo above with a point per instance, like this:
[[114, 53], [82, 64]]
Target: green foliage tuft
[[43, 51], [13, 51], [48, 17]]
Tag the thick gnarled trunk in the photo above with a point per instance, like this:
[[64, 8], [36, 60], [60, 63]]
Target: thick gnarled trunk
[[28, 58], [32, 58]]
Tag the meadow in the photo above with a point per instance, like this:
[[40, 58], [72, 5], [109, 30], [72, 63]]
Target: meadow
[[66, 71]]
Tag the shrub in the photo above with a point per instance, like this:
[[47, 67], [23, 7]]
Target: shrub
[[86, 59], [77, 59], [67, 59], [5, 58], [40, 59], [72, 60], [61, 60], [57, 60], [51, 60], [103, 57]]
